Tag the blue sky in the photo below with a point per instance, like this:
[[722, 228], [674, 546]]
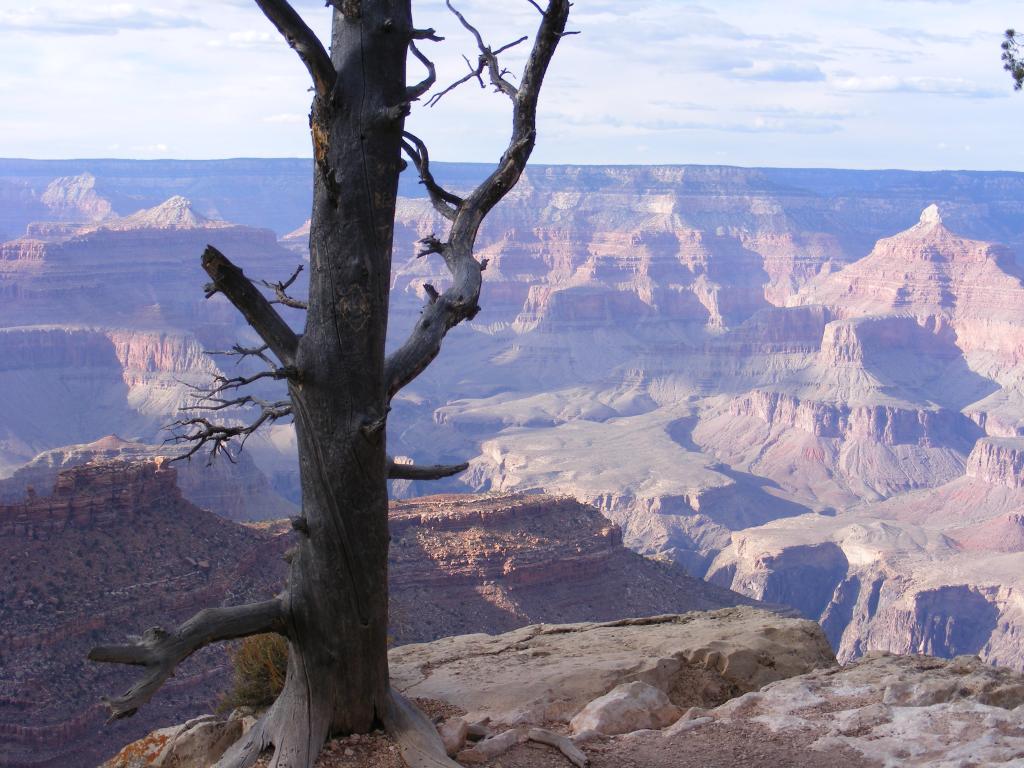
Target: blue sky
[[903, 83]]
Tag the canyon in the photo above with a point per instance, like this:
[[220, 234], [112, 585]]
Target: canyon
[[803, 385], [114, 547]]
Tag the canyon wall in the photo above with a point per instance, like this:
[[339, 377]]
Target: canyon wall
[[116, 548], [701, 352]]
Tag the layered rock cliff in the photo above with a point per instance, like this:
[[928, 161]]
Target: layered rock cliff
[[498, 562], [699, 351], [236, 490], [116, 548]]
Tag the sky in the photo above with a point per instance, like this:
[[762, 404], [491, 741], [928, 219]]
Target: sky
[[914, 84]]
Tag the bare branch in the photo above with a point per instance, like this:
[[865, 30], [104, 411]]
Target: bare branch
[[524, 118], [487, 60], [444, 202], [460, 301], [487, 56], [223, 384], [243, 352], [427, 34], [563, 744], [200, 431], [430, 245], [536, 5], [474, 73], [305, 42], [397, 471], [280, 290], [413, 93], [161, 651], [229, 280]]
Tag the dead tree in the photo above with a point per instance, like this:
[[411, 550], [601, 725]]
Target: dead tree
[[334, 609]]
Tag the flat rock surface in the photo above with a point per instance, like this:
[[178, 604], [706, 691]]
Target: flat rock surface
[[548, 673], [886, 710]]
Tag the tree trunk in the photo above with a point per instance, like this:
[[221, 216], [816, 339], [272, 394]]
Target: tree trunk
[[338, 606], [334, 609]]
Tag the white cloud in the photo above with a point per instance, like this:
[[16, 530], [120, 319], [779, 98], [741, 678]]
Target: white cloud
[[646, 81], [51, 19], [782, 72], [947, 86]]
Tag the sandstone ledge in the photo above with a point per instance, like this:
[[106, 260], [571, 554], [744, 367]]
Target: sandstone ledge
[[548, 673]]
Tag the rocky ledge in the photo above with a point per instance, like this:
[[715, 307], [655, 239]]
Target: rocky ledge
[[722, 689]]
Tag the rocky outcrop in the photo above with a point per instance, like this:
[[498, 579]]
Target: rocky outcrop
[[496, 562], [75, 198], [890, 584], [695, 659], [886, 425], [88, 498], [176, 212], [116, 548], [103, 274], [626, 708], [95, 289], [235, 489], [886, 710], [928, 271], [77, 385], [998, 461], [113, 550], [199, 743]]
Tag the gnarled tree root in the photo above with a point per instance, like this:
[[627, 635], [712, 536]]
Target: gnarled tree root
[[417, 738]]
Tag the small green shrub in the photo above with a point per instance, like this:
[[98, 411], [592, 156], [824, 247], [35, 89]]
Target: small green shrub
[[259, 666]]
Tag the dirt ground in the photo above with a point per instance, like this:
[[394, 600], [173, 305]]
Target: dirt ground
[[712, 746]]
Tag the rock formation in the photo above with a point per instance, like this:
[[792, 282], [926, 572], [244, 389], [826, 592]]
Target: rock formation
[[725, 688], [709, 355], [236, 489], [114, 544], [497, 562], [117, 544]]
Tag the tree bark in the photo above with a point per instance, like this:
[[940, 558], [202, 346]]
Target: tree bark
[[338, 579]]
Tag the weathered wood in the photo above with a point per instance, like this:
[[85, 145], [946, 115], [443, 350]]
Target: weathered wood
[[228, 279], [563, 744], [460, 301], [302, 39], [418, 740], [280, 289], [161, 651], [398, 471]]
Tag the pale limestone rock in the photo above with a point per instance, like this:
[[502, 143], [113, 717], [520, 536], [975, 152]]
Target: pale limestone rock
[[625, 708], [197, 743], [200, 744], [545, 673], [901, 711], [931, 215], [454, 733]]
